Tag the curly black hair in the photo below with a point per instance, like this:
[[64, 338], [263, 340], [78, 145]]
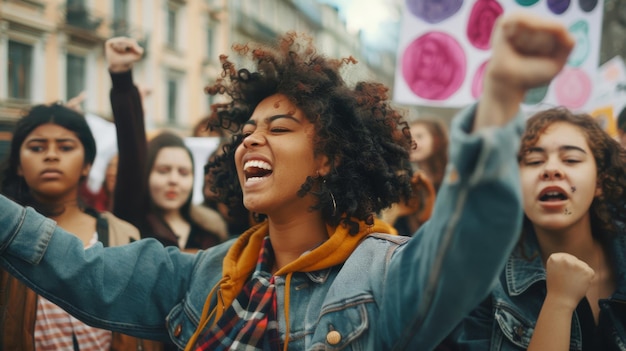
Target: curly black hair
[[608, 210], [366, 139]]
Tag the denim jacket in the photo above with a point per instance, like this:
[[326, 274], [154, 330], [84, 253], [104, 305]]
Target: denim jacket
[[392, 293], [506, 320]]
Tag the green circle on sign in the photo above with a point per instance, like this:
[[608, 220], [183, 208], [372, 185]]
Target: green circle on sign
[[535, 95], [526, 2]]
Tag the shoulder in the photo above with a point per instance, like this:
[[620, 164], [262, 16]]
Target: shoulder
[[376, 241], [387, 239], [209, 220], [376, 249], [120, 231]]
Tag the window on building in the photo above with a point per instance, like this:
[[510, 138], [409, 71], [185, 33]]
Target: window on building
[[76, 13], [20, 70], [75, 75], [76, 4], [171, 27], [210, 44], [120, 17], [172, 100], [120, 10]]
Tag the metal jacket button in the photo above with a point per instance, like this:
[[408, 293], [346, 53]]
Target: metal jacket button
[[333, 337], [178, 330]]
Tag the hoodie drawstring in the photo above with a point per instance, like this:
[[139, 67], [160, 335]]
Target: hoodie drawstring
[[206, 316], [286, 309]]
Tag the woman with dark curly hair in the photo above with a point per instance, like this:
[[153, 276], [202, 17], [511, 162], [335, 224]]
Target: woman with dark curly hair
[[570, 266], [317, 159]]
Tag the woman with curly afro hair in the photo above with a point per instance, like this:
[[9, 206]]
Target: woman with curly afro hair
[[317, 159]]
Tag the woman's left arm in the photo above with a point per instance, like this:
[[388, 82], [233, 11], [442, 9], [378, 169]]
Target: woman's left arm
[[451, 263]]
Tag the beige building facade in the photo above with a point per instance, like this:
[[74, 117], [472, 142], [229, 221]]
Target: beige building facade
[[52, 50]]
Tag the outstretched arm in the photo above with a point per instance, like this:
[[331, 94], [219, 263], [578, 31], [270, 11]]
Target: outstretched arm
[[450, 265], [129, 288]]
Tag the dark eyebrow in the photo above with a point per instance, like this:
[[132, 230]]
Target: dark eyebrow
[[273, 118], [572, 147], [561, 149], [43, 140]]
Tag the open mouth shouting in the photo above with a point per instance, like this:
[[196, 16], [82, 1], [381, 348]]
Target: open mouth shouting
[[256, 170], [553, 196]]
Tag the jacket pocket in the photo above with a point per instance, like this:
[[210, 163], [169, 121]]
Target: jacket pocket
[[342, 326], [180, 325], [516, 329]]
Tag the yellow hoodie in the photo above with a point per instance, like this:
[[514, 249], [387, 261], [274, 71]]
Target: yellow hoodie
[[240, 261]]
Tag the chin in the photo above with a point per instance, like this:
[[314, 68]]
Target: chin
[[253, 206], [554, 225], [171, 207]]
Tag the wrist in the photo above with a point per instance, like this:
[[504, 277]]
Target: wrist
[[498, 105], [120, 67], [560, 303]]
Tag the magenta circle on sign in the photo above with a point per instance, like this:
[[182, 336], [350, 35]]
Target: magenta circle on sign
[[572, 88], [477, 81], [434, 66], [481, 21]]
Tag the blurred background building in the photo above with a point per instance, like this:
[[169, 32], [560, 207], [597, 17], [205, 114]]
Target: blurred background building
[[53, 49]]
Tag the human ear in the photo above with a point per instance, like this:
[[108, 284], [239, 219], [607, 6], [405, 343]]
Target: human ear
[[86, 169], [598, 189], [325, 165]]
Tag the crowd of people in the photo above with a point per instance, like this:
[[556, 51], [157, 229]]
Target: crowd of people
[[329, 220]]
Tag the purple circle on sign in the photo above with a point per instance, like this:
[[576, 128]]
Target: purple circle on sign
[[434, 66], [433, 11], [558, 6]]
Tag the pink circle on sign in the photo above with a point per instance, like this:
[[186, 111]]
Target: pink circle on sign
[[572, 88], [481, 21], [434, 66], [477, 81]]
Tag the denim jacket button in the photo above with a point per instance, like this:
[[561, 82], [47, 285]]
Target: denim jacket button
[[178, 330], [519, 331], [333, 337]]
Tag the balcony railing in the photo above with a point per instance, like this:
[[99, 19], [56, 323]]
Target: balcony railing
[[81, 17]]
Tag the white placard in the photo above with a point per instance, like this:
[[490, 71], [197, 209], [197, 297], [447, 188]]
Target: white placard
[[444, 46]]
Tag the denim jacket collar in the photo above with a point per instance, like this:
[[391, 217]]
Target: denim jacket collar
[[524, 267], [319, 277]]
